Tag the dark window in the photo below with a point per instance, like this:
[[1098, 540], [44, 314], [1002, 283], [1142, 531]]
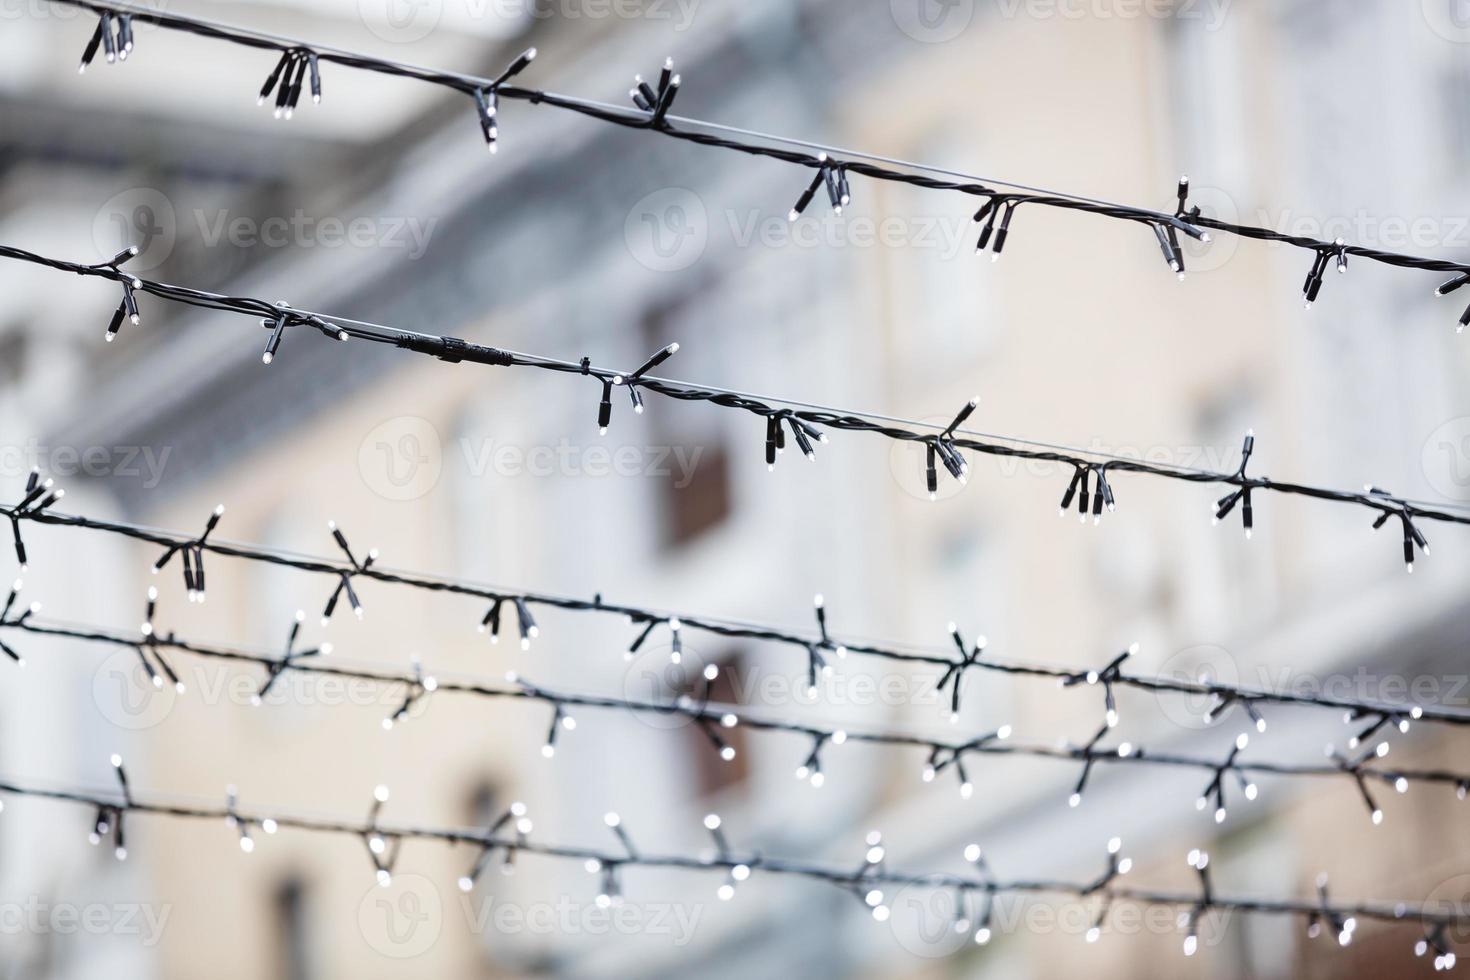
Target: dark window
[[701, 503], [695, 494], [293, 932], [712, 772]]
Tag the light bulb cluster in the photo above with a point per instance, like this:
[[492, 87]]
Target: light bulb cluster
[[1215, 791], [656, 102], [487, 98], [113, 36], [630, 381], [287, 78], [191, 556], [345, 576], [291, 658], [40, 495], [23, 613], [942, 449], [830, 175]]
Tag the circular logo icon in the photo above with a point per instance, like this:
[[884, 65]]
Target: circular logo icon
[[658, 674], [126, 694], [1195, 665], [667, 230], [932, 21], [400, 21], [1446, 458], [930, 921], [404, 919], [1199, 256], [141, 217], [402, 458], [1450, 19], [909, 464]]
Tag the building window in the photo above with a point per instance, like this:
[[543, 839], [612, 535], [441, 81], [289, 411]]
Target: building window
[[696, 495], [712, 773], [293, 932]]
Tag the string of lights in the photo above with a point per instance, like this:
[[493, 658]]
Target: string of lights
[[1090, 487], [831, 166], [871, 880], [820, 648], [156, 649]]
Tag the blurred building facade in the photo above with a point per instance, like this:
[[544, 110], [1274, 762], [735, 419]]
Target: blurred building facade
[[583, 239]]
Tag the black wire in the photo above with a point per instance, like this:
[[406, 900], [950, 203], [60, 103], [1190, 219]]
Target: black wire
[[1227, 694], [470, 84], [1440, 914], [713, 715], [454, 349]]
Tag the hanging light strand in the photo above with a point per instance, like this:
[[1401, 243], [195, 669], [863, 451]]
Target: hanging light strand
[[941, 755], [806, 424], [871, 880], [831, 166], [954, 668]]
